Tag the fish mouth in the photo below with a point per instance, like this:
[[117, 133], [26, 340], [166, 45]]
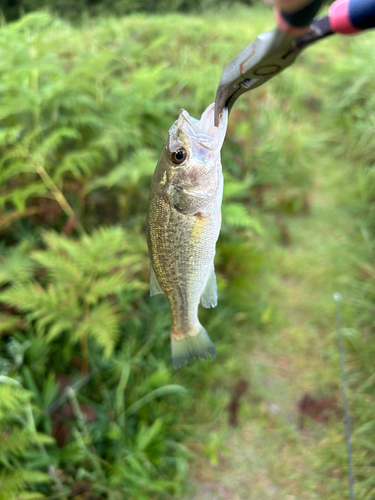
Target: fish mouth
[[204, 131]]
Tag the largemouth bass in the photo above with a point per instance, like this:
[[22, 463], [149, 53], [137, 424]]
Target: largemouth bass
[[183, 225]]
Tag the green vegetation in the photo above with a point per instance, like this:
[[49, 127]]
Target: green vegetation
[[77, 10], [90, 406]]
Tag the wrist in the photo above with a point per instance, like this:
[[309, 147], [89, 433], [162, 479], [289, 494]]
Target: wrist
[[286, 27]]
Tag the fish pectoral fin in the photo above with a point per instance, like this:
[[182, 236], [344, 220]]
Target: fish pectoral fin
[[154, 284], [209, 295]]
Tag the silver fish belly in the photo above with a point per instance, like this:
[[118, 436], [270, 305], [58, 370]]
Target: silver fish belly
[[183, 224]]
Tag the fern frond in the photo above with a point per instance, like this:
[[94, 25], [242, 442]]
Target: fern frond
[[10, 166], [18, 197], [235, 189], [59, 268], [93, 253], [54, 140], [103, 324], [140, 163], [82, 276], [16, 266], [235, 215], [44, 305], [77, 163], [107, 285], [18, 440], [14, 483], [13, 400]]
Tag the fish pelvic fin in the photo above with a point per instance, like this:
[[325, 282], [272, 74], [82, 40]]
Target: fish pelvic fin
[[209, 295], [192, 344], [155, 288]]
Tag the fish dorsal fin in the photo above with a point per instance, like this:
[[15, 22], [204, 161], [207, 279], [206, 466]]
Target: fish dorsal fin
[[154, 284], [209, 295]]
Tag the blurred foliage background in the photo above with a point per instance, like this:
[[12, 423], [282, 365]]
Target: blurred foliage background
[[90, 407], [76, 10]]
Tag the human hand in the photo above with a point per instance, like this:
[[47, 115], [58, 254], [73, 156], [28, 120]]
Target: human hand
[[345, 16], [294, 16]]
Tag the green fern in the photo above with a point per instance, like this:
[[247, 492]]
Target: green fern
[[81, 278], [19, 267], [235, 215], [18, 437]]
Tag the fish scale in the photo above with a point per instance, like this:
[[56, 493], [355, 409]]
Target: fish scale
[[183, 224]]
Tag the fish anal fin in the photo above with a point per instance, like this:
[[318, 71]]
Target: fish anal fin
[[155, 288], [209, 295]]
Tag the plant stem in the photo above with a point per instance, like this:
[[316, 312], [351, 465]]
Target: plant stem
[[82, 434], [57, 194], [120, 396]]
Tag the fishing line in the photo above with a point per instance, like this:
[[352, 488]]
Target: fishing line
[[337, 298]]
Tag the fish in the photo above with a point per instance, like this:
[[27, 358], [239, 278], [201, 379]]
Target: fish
[[183, 225]]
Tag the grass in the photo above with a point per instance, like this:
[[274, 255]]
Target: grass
[[269, 456]]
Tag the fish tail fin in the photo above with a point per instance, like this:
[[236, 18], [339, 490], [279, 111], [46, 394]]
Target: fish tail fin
[[194, 343]]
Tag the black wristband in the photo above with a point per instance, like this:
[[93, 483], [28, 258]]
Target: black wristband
[[302, 17]]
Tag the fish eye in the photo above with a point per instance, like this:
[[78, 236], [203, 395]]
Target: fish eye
[[178, 155]]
